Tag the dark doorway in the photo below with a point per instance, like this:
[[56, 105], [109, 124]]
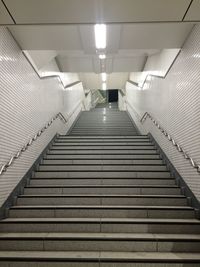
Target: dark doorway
[[113, 95]]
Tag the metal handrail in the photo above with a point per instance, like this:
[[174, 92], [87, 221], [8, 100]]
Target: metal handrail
[[165, 133], [59, 115]]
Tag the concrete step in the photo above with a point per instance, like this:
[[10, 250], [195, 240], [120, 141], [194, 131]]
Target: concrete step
[[102, 147], [157, 200], [102, 156], [97, 259], [93, 161], [100, 181], [99, 167], [122, 242], [99, 189], [81, 137], [102, 151], [102, 143], [116, 138], [102, 174], [104, 225], [86, 211]]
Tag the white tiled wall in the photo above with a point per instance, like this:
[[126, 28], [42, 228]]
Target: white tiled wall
[[26, 104], [175, 103]]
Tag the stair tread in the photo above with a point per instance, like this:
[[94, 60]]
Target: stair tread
[[102, 186], [114, 220], [101, 195], [101, 207], [101, 255], [101, 236]]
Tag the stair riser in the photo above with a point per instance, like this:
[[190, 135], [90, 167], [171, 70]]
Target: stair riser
[[100, 168], [95, 213], [99, 181], [102, 143], [102, 138], [102, 162], [95, 263], [101, 152], [137, 191], [99, 245], [103, 227], [128, 147], [120, 137], [103, 157], [101, 174], [101, 201]]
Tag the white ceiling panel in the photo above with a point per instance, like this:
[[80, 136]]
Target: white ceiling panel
[[75, 64], [109, 65], [96, 65], [47, 37], [113, 38], [93, 11], [144, 10], [93, 81], [128, 64], [90, 81], [5, 18], [117, 80], [41, 58], [154, 36], [193, 13], [87, 38]]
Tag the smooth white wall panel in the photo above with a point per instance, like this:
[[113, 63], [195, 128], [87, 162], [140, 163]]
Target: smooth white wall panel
[[175, 103], [27, 103]]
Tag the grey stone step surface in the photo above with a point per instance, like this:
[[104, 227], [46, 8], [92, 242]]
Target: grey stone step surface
[[102, 174], [98, 259], [93, 161], [105, 211], [100, 167], [102, 156], [101, 196], [100, 189], [100, 181], [102, 151], [100, 242], [104, 225], [102, 199]]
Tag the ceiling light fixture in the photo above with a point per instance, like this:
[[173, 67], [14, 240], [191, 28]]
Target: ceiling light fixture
[[100, 36], [104, 86], [103, 77], [102, 56]]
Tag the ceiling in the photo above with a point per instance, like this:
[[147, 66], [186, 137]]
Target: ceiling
[[97, 11], [64, 30], [128, 45]]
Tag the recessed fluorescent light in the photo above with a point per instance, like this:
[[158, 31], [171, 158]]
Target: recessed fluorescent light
[[103, 56], [103, 77], [100, 36], [104, 86]]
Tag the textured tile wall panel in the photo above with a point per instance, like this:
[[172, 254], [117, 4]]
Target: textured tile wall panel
[[26, 104], [175, 103]]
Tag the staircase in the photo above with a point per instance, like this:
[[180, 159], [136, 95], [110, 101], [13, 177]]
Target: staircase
[[101, 197]]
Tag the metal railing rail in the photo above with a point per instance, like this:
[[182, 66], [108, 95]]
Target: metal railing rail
[[4, 167], [167, 135]]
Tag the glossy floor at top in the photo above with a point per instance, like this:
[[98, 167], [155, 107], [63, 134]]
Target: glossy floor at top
[[105, 119]]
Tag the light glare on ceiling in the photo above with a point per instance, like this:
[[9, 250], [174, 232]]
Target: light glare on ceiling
[[104, 86], [102, 56], [103, 77], [100, 36]]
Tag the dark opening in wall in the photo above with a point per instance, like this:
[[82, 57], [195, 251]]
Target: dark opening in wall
[[113, 95]]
